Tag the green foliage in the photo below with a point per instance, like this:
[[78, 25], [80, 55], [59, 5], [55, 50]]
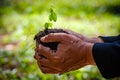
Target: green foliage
[[48, 24], [20, 20], [52, 17]]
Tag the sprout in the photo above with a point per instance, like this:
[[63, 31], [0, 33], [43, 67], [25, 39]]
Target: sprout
[[52, 18]]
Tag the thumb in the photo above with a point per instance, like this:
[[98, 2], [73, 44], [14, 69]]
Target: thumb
[[55, 37]]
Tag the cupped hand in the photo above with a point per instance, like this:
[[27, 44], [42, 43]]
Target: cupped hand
[[84, 38], [72, 53]]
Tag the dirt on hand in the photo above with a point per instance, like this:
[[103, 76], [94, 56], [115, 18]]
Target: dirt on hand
[[51, 45]]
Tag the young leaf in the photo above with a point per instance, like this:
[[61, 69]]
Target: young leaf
[[50, 24], [47, 25], [52, 16]]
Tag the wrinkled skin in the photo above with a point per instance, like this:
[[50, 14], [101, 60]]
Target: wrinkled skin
[[82, 37], [74, 51]]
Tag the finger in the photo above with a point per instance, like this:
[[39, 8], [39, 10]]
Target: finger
[[48, 63], [48, 70], [45, 69], [45, 51], [68, 31], [54, 37], [73, 33], [36, 55], [71, 69]]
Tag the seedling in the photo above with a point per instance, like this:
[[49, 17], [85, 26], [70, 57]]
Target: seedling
[[52, 18]]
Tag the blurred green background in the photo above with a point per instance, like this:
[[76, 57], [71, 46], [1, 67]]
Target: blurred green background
[[20, 20]]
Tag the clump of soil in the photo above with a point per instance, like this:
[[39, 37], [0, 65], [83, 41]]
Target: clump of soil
[[51, 45]]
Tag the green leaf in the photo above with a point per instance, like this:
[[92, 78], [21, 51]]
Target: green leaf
[[51, 10], [52, 16], [48, 24]]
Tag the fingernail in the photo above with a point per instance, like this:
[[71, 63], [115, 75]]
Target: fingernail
[[42, 39]]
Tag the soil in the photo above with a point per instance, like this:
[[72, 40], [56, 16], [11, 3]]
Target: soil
[[51, 45]]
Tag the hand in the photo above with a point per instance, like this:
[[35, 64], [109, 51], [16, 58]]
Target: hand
[[86, 39], [72, 53]]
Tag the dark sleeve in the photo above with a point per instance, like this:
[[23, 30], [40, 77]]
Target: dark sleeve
[[107, 58], [110, 39]]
